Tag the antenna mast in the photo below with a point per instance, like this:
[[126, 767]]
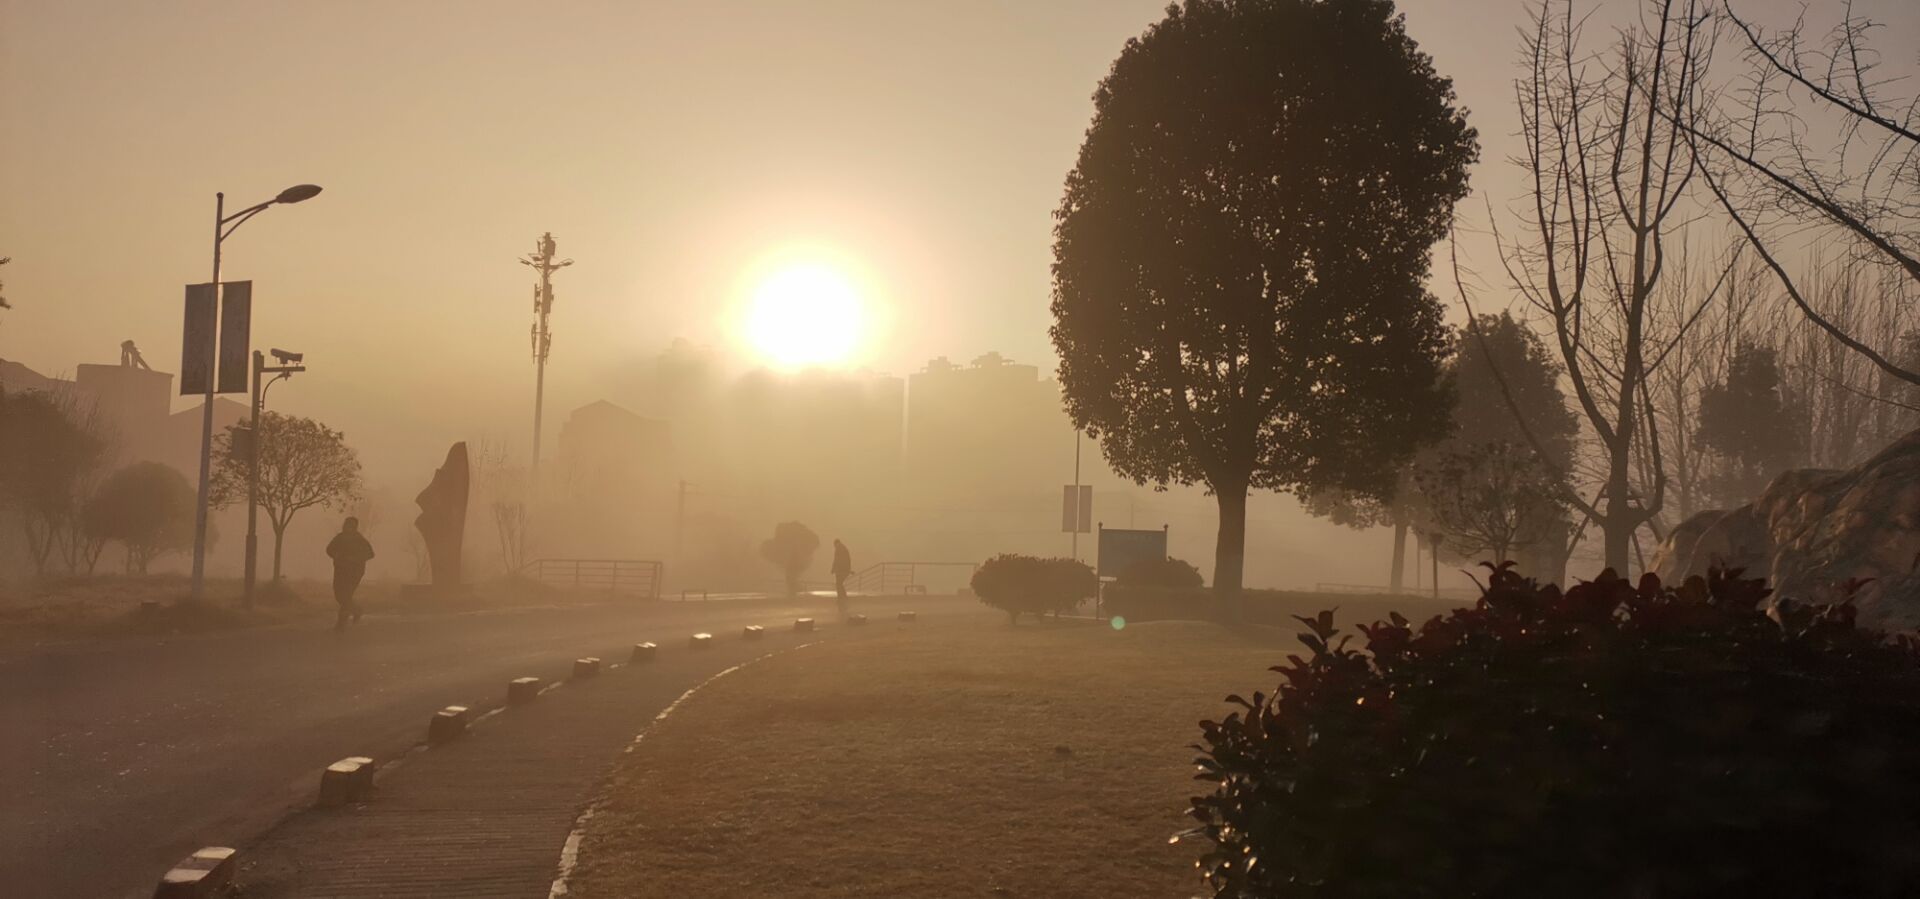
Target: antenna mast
[[541, 261]]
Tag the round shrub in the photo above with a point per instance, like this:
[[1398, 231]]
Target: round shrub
[[1018, 584], [1169, 573], [1614, 740]]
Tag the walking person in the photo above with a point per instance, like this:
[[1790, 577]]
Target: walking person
[[842, 569], [350, 552]]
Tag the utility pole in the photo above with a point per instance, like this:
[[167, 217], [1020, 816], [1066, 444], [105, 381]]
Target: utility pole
[[541, 261], [1077, 434], [288, 367], [680, 525]]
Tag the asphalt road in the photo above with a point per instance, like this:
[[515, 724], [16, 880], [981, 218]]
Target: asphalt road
[[119, 757]]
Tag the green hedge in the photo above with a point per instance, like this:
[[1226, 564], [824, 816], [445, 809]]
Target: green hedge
[[1614, 740], [1021, 585]]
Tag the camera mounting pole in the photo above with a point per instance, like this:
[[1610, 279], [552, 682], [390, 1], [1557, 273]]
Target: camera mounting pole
[[290, 364]]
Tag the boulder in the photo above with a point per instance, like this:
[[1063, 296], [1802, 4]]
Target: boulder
[[1812, 531]]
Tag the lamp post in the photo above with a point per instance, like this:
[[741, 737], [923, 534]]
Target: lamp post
[[223, 227], [289, 364]]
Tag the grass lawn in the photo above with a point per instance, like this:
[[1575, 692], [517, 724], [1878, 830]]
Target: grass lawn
[[956, 757], [110, 605]]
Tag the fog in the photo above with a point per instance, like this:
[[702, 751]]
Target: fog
[[673, 151]]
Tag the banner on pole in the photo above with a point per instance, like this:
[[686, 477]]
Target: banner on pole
[[236, 319], [196, 340], [1076, 509]]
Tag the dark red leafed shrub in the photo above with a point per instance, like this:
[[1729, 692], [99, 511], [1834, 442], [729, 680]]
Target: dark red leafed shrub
[[1610, 741], [1169, 573], [1018, 584]]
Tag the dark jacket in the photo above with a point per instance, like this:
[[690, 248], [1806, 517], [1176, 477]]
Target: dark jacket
[[842, 560], [349, 551]]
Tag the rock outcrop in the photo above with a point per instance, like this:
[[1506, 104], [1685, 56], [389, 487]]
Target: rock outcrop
[[1813, 530]]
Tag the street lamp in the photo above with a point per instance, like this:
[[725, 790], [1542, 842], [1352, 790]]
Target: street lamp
[[223, 227], [289, 364]]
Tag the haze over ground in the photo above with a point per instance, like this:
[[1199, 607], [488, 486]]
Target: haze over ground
[[672, 149]]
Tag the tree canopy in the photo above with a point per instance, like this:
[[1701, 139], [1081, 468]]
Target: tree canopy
[[1240, 255], [791, 549], [148, 507], [1744, 423], [303, 464]]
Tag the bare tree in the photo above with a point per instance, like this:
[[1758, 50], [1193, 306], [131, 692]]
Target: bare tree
[[1812, 139], [1609, 171], [504, 489], [53, 449], [1491, 498]]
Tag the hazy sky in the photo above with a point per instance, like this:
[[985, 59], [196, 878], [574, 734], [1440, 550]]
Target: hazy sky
[[668, 146]]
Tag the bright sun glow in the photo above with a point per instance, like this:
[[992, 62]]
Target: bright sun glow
[[805, 314]]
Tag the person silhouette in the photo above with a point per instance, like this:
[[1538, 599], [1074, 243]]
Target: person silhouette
[[350, 552], [842, 569]]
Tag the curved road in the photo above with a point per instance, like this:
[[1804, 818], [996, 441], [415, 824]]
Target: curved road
[[119, 757]]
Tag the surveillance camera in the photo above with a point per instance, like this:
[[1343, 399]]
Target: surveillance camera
[[287, 358]]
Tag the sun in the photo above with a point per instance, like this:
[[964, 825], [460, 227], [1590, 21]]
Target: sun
[[805, 314]]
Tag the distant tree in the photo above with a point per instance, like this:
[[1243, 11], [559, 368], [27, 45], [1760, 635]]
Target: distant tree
[[148, 508], [51, 450], [504, 488], [1487, 499], [791, 549], [1745, 424], [1486, 457], [303, 464], [3, 297], [1240, 254], [1361, 511]]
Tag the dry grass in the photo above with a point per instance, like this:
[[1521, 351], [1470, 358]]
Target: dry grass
[[109, 605], [958, 757]]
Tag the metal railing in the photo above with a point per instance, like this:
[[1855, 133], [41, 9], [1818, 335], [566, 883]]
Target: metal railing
[[627, 577], [1383, 590], [902, 578]]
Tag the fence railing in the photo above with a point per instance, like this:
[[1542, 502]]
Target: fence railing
[[901, 578], [1447, 592], [625, 577]]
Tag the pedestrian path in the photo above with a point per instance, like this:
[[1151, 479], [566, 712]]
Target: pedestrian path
[[487, 814]]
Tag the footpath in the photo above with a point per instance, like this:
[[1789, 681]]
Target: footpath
[[488, 813]]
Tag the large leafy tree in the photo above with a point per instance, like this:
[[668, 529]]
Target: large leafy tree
[[303, 464], [1240, 255]]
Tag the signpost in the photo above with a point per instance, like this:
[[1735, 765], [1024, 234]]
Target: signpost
[[1120, 549]]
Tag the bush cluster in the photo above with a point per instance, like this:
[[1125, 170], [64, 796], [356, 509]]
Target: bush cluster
[[1168, 573], [1018, 584], [1612, 740]]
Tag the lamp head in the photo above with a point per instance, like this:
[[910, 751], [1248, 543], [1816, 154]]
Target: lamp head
[[297, 193], [287, 358]]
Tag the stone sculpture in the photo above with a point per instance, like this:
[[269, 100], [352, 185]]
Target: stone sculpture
[[443, 517], [1813, 530]]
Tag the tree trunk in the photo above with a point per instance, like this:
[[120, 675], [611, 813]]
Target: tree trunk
[[279, 536], [1433, 553], [1230, 550], [1398, 577]]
